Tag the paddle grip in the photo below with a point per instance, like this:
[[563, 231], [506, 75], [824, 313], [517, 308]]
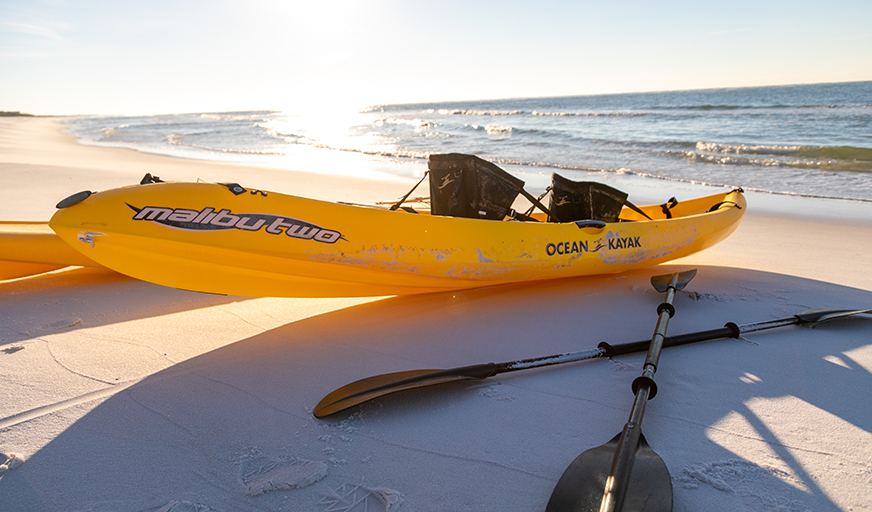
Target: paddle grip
[[730, 330]]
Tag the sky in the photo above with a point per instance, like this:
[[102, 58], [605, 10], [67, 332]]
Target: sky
[[148, 57]]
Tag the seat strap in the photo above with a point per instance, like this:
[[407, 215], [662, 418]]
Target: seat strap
[[538, 204], [529, 211], [403, 199], [722, 203], [524, 217], [636, 209], [669, 205]]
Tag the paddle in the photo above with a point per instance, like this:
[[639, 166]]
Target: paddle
[[600, 478], [369, 388]]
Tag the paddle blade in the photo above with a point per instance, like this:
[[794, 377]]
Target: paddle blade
[[814, 316], [661, 283], [581, 487], [372, 387]]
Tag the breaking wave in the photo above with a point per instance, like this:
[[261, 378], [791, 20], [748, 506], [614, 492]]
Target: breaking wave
[[175, 139], [468, 112], [414, 123], [590, 114], [832, 158]]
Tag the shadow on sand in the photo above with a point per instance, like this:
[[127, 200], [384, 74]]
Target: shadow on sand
[[758, 424]]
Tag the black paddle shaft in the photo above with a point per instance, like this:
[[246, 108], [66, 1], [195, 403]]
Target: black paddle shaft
[[644, 388], [366, 389], [730, 330]]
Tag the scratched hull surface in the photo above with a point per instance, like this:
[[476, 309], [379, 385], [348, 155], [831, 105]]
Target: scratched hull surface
[[230, 240]]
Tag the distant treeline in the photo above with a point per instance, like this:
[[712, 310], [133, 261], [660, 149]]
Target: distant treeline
[[3, 113]]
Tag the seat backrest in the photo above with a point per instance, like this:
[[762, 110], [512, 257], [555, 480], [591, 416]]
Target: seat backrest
[[467, 186], [585, 200]]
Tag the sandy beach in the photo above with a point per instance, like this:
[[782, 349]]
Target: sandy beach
[[120, 395]]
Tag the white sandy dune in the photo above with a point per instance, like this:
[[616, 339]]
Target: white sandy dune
[[120, 395]]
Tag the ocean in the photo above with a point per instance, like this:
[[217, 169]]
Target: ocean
[[802, 140]]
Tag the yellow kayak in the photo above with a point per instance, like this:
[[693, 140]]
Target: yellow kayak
[[227, 239], [28, 248]]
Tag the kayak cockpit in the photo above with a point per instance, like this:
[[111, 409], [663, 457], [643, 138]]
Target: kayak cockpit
[[467, 186]]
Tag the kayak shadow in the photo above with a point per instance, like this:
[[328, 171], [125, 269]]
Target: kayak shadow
[[80, 297], [750, 424]]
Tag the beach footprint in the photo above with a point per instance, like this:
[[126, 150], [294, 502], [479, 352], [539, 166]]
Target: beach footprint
[[356, 498], [10, 461], [758, 488], [260, 474], [185, 506]]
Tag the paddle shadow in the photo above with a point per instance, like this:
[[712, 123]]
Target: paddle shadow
[[232, 429]]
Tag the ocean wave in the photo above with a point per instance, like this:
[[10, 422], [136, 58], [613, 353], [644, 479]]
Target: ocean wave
[[831, 158], [492, 129], [175, 139], [399, 153], [757, 162], [469, 112], [773, 106], [714, 147], [276, 132], [861, 156], [590, 114], [706, 107], [237, 116], [745, 187], [415, 123], [497, 113]]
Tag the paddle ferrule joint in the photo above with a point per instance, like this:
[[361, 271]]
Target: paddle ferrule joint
[[646, 380], [657, 342], [734, 328], [608, 348], [666, 307]]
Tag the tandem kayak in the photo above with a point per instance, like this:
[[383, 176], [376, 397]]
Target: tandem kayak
[[233, 240]]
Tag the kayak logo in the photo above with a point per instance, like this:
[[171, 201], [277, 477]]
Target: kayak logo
[[565, 248], [208, 219], [582, 246], [446, 180], [624, 242]]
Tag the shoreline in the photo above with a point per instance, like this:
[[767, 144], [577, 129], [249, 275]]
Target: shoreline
[[178, 401]]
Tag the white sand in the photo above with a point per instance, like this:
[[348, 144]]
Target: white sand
[[119, 395]]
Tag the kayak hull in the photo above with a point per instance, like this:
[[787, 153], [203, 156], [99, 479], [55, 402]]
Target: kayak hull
[[229, 240], [29, 248]]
